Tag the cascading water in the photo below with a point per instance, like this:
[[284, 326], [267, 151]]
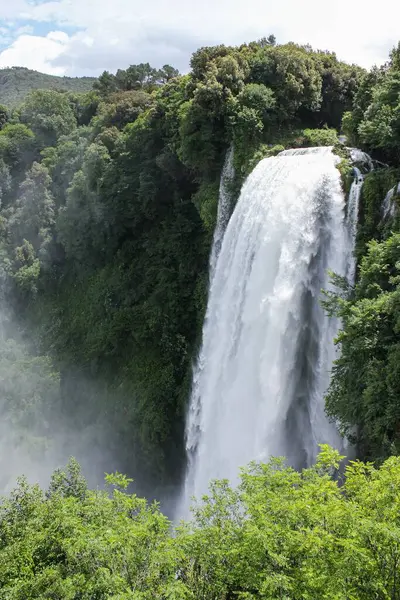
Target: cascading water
[[388, 206], [224, 209], [358, 156], [352, 221], [268, 347]]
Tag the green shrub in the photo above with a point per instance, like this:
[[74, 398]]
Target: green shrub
[[320, 137]]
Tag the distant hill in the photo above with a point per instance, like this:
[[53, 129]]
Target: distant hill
[[17, 82]]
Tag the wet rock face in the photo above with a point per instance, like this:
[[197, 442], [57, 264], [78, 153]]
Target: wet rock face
[[361, 160]]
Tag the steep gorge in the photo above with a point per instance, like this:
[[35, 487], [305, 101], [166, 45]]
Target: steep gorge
[[108, 215]]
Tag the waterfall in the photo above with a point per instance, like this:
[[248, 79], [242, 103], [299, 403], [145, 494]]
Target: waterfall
[[352, 221], [388, 206], [358, 156], [224, 209], [267, 350]]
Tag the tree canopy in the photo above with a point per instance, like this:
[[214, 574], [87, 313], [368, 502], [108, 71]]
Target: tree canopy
[[280, 534]]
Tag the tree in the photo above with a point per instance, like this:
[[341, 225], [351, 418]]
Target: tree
[[5, 182], [285, 534], [381, 123], [71, 542], [204, 57], [340, 84], [374, 121], [64, 160], [395, 58], [85, 106], [17, 147], [279, 534], [136, 77], [106, 84], [365, 388], [293, 75], [49, 114], [166, 74], [33, 215], [29, 403], [258, 97], [267, 41], [122, 108], [80, 223], [202, 126], [4, 116]]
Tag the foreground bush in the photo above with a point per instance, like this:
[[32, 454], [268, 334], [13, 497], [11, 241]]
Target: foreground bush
[[281, 534]]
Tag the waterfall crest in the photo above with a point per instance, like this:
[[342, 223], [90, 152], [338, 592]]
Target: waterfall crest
[[267, 349]]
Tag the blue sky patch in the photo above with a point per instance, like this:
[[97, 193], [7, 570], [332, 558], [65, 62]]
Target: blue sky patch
[[9, 31]]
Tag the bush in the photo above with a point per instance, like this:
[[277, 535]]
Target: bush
[[320, 137], [280, 534]]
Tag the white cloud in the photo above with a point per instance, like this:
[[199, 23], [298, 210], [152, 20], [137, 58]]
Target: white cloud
[[12, 10], [117, 33], [58, 36], [36, 52], [25, 29]]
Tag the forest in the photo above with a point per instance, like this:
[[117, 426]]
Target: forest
[[17, 82], [108, 208]]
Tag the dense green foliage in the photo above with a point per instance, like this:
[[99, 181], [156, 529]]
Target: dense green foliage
[[375, 119], [281, 534], [17, 82], [364, 394], [109, 202], [372, 222], [367, 370], [136, 77]]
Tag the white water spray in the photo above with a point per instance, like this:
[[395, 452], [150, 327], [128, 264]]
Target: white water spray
[[353, 206], [267, 350], [224, 209], [358, 156], [388, 206]]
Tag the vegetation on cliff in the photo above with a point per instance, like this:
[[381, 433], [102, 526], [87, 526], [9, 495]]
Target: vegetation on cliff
[[109, 202], [364, 392]]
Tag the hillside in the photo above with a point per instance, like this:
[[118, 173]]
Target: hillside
[[17, 82]]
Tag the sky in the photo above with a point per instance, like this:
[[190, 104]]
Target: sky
[[86, 37]]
